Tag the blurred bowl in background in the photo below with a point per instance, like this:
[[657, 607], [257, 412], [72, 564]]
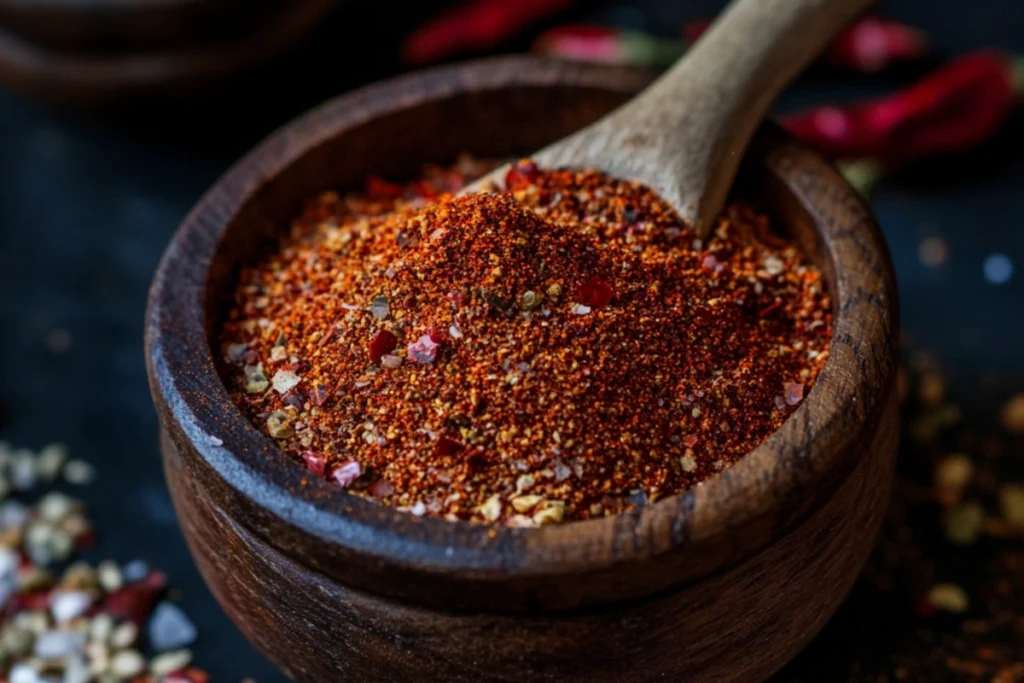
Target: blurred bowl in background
[[101, 53], [113, 25]]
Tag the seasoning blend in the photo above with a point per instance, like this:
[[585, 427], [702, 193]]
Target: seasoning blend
[[562, 350]]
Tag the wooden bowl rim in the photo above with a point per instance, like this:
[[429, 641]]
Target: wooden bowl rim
[[186, 384]]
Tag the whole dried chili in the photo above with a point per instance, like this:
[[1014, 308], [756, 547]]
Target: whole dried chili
[[950, 110], [866, 46], [476, 25], [564, 350]]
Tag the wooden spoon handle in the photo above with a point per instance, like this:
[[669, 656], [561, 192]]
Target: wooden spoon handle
[[723, 89], [686, 134]]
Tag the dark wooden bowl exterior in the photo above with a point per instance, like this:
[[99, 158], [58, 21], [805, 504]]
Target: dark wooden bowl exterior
[[724, 582], [159, 70], [113, 25]]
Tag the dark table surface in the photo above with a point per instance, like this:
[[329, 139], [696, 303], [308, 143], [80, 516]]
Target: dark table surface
[[88, 203]]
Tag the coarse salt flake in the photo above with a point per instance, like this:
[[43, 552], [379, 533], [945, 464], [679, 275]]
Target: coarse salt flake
[[170, 628], [285, 380], [69, 605], [773, 265], [389, 360], [794, 393]]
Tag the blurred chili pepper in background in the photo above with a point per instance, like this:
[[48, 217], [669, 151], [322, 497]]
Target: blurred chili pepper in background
[[868, 45], [951, 110], [475, 26]]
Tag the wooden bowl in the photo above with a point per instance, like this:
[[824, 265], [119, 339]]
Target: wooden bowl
[[724, 582], [116, 24], [73, 72]]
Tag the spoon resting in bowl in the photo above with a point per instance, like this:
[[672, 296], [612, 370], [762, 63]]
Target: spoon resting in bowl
[[684, 136]]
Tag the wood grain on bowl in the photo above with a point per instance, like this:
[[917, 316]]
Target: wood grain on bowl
[[724, 582]]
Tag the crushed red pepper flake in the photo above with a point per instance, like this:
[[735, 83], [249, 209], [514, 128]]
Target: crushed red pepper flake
[[384, 342], [568, 341]]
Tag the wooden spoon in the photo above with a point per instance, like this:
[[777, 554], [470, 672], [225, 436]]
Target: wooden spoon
[[684, 135]]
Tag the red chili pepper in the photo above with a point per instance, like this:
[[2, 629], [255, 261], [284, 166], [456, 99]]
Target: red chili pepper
[[950, 110], [521, 175], [595, 292], [604, 45], [27, 602], [446, 446], [424, 190], [769, 309], [872, 44], [315, 462], [476, 25], [866, 46], [135, 601], [377, 189], [384, 342], [187, 675]]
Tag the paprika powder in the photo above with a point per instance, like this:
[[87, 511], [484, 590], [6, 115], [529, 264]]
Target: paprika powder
[[562, 349]]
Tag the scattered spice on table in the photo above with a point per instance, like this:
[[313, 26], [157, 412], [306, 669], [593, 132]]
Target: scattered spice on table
[[1013, 415], [933, 252], [942, 596], [562, 350], [63, 620]]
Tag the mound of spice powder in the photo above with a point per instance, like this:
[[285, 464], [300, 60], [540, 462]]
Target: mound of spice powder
[[561, 350]]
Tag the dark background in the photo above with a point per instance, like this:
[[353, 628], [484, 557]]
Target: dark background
[[87, 204]]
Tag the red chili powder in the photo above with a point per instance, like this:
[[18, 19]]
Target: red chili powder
[[563, 350]]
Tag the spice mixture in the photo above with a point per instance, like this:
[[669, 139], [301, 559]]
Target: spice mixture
[[561, 350]]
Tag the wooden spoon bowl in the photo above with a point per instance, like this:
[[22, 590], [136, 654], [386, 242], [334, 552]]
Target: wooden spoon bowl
[[724, 582]]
